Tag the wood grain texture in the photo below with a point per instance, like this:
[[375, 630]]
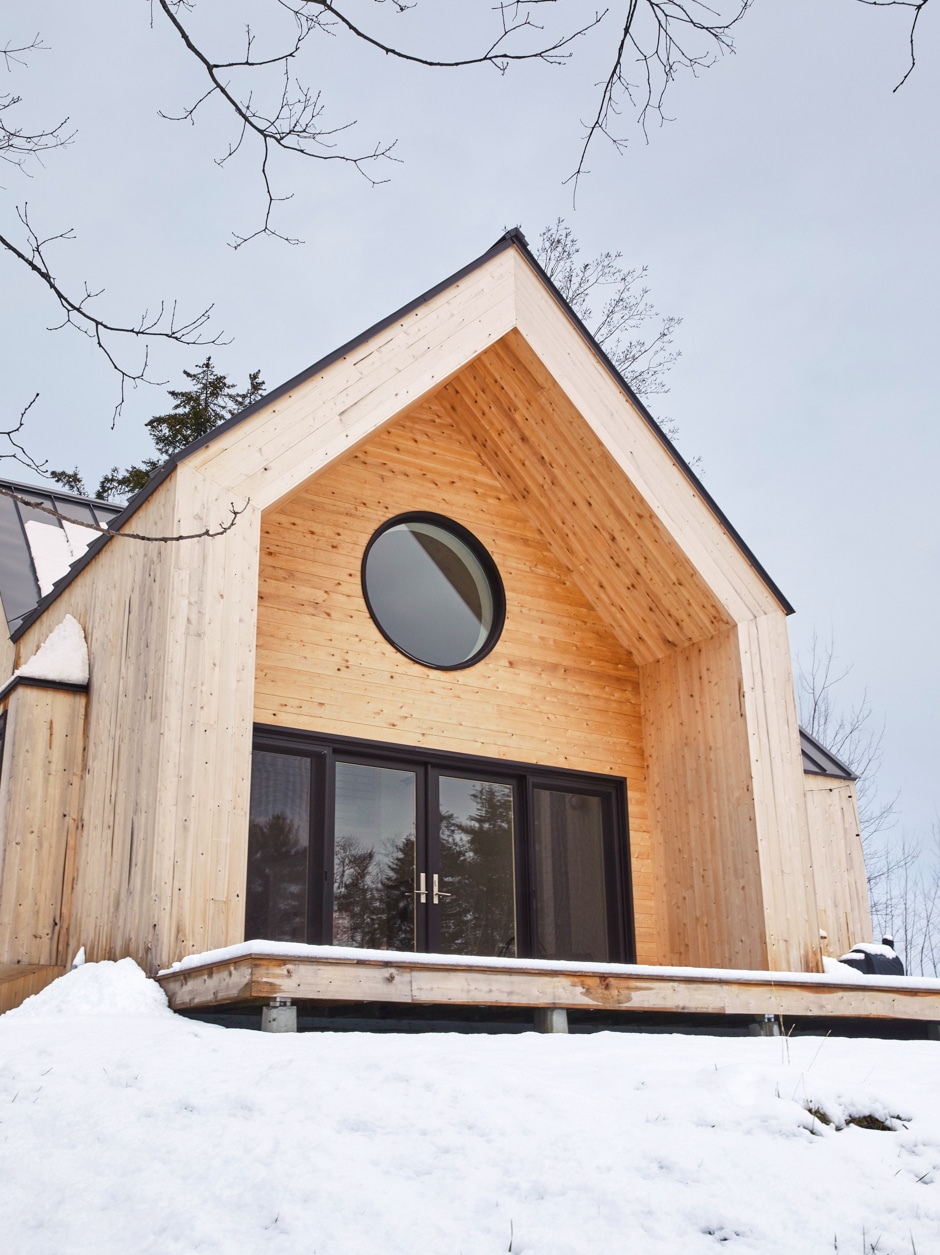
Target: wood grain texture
[[162, 840], [656, 474], [19, 981], [257, 978], [559, 689], [327, 415], [702, 819], [607, 536], [776, 764], [838, 863], [39, 813]]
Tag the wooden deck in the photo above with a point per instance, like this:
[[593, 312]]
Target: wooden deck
[[427, 980]]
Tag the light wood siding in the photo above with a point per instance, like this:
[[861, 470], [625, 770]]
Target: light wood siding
[[791, 920], [162, 843], [19, 981], [704, 843], [838, 863], [39, 806], [662, 485], [328, 414], [558, 689], [730, 841], [589, 512]]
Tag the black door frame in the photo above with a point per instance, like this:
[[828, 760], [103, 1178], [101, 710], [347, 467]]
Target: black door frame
[[428, 764]]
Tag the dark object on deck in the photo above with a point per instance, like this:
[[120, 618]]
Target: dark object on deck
[[874, 960]]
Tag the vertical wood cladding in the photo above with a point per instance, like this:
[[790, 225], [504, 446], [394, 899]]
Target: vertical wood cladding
[[558, 689]]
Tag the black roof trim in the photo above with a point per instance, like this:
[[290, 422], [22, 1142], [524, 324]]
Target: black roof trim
[[37, 682], [818, 761], [513, 238]]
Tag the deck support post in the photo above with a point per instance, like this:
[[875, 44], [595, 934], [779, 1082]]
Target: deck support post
[[551, 1020], [766, 1025], [279, 1017]]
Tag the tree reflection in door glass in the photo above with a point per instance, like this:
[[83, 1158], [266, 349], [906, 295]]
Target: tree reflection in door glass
[[571, 900], [477, 868], [278, 839], [374, 858]]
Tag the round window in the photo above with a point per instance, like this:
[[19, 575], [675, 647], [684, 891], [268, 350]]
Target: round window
[[433, 590]]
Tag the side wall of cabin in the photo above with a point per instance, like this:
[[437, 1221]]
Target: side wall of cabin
[[838, 863], [40, 788], [161, 838]]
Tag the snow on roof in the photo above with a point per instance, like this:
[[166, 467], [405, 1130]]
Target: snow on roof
[[37, 548]]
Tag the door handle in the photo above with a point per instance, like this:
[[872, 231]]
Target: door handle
[[436, 892], [421, 893]]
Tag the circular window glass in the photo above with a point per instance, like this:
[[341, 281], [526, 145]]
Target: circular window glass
[[433, 590]]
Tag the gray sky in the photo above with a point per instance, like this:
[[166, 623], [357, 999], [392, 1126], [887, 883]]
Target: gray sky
[[788, 214]]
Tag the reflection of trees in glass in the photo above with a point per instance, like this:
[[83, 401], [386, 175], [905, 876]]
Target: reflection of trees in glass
[[276, 900], [373, 902], [477, 869]]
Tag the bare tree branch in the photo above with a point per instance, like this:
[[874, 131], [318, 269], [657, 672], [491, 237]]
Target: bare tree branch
[[625, 309], [19, 452], [206, 534], [164, 324], [918, 7], [18, 144], [497, 54], [294, 121], [661, 38]]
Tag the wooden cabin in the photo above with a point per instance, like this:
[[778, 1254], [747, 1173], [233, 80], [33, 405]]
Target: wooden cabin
[[480, 669]]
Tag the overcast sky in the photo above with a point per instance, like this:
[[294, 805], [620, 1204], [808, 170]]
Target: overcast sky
[[788, 214]]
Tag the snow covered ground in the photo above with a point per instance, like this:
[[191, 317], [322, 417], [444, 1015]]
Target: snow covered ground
[[124, 1128]]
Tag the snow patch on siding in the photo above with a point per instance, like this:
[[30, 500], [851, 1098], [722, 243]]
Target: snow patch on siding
[[63, 655]]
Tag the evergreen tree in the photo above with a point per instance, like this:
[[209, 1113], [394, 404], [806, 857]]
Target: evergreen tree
[[196, 410]]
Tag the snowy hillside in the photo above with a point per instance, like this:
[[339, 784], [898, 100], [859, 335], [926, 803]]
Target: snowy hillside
[[126, 1129]]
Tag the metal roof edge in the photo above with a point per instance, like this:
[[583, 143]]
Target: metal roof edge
[[848, 773]]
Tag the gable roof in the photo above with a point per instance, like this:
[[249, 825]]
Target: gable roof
[[511, 239]]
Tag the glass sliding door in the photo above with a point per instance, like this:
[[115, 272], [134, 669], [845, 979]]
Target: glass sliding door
[[278, 847], [475, 866], [391, 848], [374, 857], [571, 876]]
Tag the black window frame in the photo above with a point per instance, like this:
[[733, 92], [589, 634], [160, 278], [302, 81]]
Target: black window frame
[[487, 565], [429, 764]]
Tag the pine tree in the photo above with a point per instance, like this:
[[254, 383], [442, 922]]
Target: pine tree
[[196, 410]]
